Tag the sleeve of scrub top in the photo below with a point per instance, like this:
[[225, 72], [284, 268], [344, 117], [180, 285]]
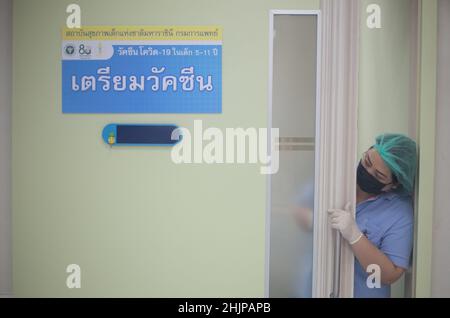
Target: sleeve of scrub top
[[397, 243]]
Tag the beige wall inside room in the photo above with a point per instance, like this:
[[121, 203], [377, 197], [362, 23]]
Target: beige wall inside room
[[386, 58], [440, 270], [386, 87], [137, 224]]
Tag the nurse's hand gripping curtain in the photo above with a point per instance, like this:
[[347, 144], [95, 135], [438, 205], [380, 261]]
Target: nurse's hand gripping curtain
[[343, 221]]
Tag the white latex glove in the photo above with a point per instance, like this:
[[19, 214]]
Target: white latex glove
[[343, 221]]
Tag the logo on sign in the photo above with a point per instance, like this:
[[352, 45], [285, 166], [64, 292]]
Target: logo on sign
[[69, 49]]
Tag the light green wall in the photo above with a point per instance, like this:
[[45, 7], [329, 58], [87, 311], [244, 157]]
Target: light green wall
[[427, 150], [385, 99], [137, 224]]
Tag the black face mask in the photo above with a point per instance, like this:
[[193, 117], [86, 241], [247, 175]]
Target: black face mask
[[367, 182]]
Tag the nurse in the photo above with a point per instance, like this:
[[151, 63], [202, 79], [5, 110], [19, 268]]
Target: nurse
[[382, 233]]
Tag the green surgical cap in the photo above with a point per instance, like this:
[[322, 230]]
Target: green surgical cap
[[399, 154]]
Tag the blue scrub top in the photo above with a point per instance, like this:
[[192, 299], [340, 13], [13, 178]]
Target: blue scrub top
[[387, 221]]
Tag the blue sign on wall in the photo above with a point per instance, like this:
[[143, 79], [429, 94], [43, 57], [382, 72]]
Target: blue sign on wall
[[101, 75]]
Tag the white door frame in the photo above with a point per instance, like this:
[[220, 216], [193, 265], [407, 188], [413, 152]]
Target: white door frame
[[272, 14]]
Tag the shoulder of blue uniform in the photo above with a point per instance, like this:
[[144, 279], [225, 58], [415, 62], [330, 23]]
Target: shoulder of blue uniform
[[402, 207]]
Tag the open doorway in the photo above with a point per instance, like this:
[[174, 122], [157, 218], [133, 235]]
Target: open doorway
[[388, 84]]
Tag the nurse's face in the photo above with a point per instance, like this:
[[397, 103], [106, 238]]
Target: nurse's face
[[374, 164]]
